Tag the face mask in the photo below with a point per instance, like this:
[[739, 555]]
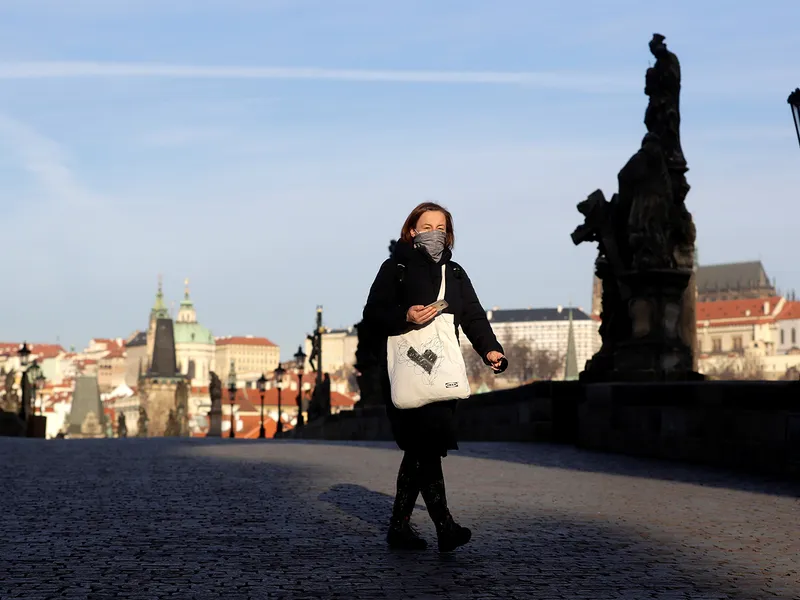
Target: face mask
[[431, 243]]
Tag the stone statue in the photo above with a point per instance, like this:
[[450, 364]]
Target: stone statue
[[645, 239], [215, 389], [122, 426], [10, 399], [142, 423], [215, 413], [172, 428], [25, 405], [182, 407]]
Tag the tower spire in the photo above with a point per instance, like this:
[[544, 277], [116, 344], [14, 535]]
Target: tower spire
[[159, 307], [571, 368], [186, 289]]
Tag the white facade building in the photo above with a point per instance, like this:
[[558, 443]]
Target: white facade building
[[547, 329], [338, 349]]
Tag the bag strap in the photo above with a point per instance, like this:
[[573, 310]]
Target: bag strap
[[443, 287]]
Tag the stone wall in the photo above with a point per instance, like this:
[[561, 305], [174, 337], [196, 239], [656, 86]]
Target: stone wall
[[751, 425], [747, 425], [525, 414]]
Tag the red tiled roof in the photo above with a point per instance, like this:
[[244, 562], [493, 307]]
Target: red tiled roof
[[41, 351], [791, 310], [119, 343], [241, 340], [745, 310], [114, 353]]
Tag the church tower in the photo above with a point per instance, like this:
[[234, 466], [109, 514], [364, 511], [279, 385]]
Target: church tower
[[571, 368], [159, 311], [187, 312]]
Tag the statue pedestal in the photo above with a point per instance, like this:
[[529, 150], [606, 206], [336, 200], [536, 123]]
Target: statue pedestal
[[215, 422], [654, 351], [37, 426]]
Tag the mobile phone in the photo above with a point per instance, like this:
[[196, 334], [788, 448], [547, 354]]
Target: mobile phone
[[439, 305]]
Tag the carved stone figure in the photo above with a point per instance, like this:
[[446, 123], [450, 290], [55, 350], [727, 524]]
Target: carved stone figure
[[122, 426], [182, 408], [10, 399], [172, 429], [215, 413], [25, 405], [645, 239], [215, 389], [142, 423]]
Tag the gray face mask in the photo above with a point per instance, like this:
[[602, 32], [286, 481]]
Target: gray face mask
[[431, 243]]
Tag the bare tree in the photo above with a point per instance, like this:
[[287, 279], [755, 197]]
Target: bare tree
[[791, 374], [548, 364], [746, 368], [477, 371]]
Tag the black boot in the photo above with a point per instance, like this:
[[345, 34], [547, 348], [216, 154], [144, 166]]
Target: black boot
[[402, 535], [449, 533]]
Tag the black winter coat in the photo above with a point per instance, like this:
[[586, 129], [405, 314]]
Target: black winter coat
[[430, 428]]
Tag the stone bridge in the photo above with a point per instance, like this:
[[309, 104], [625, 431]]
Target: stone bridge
[[231, 519]]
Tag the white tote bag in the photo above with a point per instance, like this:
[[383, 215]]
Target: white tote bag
[[426, 364]]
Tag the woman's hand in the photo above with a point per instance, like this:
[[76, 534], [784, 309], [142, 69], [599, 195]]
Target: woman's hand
[[419, 315], [495, 360]]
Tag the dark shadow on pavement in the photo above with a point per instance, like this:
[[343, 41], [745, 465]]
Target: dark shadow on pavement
[[355, 500], [174, 518], [561, 456]]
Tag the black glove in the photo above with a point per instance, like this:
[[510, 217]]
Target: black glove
[[503, 366]]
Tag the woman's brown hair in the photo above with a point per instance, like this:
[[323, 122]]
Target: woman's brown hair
[[413, 219]]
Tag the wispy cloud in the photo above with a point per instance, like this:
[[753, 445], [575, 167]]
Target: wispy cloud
[[44, 159], [571, 81]]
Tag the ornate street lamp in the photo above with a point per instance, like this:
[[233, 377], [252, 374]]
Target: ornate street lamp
[[300, 365], [794, 102], [232, 395], [33, 373], [262, 388], [39, 387], [24, 352], [279, 372]]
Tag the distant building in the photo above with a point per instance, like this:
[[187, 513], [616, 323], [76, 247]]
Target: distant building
[[194, 344], [135, 357], [764, 329], [111, 370], [729, 281], [338, 349], [252, 356], [548, 329], [733, 281], [86, 417], [157, 388]]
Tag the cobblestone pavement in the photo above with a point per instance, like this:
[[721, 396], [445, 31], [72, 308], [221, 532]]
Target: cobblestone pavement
[[228, 519]]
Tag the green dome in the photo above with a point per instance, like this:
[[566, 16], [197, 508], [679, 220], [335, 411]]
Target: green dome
[[192, 333]]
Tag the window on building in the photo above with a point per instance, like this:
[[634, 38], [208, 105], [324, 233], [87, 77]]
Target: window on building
[[782, 342], [716, 345], [737, 342], [794, 336]]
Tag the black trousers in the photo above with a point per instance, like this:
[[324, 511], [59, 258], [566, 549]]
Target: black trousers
[[420, 473]]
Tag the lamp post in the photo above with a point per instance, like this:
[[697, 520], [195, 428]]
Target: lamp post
[[232, 395], [300, 365], [262, 387], [24, 352], [279, 371], [39, 387], [34, 374], [794, 102]]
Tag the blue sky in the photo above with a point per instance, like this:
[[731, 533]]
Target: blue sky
[[269, 149]]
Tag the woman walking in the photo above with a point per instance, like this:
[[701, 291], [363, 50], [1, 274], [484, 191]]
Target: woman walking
[[402, 304]]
